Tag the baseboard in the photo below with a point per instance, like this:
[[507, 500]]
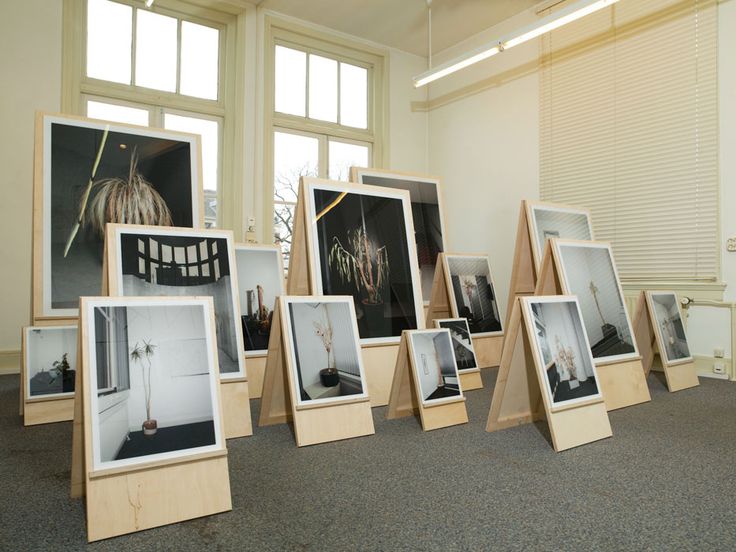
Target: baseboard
[[704, 367], [9, 362]]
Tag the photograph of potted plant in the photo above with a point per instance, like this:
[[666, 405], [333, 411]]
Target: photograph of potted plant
[[323, 329], [62, 369], [142, 354]]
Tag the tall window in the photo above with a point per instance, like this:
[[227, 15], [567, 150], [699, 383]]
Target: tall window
[[326, 117]]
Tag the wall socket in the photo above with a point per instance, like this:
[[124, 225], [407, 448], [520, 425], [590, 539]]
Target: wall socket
[[719, 368]]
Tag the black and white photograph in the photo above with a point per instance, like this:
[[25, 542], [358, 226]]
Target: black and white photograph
[[557, 221], [426, 208], [472, 293], [50, 361], [176, 262], [562, 345], [462, 342], [363, 246], [95, 173], [153, 380], [434, 366], [260, 282], [671, 330], [588, 271], [325, 359]]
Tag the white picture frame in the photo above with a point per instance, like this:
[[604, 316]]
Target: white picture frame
[[60, 339], [671, 333], [564, 222]]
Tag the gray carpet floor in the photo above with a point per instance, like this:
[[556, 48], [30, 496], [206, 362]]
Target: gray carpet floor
[[664, 481]]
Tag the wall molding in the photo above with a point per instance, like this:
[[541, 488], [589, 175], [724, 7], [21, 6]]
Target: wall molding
[[9, 362]]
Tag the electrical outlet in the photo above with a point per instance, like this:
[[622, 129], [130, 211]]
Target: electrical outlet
[[719, 352], [731, 244], [719, 368], [251, 224]]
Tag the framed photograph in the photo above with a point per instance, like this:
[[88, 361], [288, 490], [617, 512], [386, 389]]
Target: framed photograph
[[323, 349], [260, 282], [150, 379], [434, 366], [671, 338], [426, 207], [88, 173], [162, 261], [362, 244], [549, 220], [473, 293], [588, 271], [49, 361], [561, 349], [462, 342]]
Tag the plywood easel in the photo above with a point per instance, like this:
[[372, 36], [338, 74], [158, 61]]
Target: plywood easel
[[404, 399], [127, 500], [313, 424], [518, 399], [524, 268], [678, 375], [623, 382]]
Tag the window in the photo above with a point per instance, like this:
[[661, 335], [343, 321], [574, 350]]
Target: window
[[326, 116]]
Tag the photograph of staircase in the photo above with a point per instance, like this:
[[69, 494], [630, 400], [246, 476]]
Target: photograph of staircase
[[462, 342]]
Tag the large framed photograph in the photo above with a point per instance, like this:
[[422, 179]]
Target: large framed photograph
[[88, 173], [588, 271], [362, 245], [323, 350], [434, 366], [462, 342], [671, 338], [473, 293], [561, 350], [161, 261], [260, 282], [426, 208], [550, 220], [49, 361], [150, 380]]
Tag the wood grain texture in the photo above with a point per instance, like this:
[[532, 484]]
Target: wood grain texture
[[379, 362], [469, 381], [236, 418], [256, 373]]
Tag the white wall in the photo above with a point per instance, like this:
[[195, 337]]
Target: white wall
[[427, 366]]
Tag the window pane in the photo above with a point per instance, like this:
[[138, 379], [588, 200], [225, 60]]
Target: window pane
[[155, 51], [283, 226], [209, 130], [343, 156], [291, 78], [353, 96], [294, 156], [199, 60], [117, 113], [322, 88], [109, 38]]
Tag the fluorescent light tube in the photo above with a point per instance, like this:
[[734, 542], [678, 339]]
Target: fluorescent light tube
[[149, 3]]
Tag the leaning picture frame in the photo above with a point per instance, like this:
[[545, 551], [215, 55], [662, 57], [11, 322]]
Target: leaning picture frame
[[462, 342], [48, 362], [671, 335], [554, 220], [435, 369]]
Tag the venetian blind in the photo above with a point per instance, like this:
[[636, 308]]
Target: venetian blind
[[629, 129]]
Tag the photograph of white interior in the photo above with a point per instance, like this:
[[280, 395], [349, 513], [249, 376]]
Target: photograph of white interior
[[558, 222], [668, 321], [50, 361], [473, 293], [434, 366], [462, 342]]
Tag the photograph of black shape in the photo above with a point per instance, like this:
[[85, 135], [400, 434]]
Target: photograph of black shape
[[50, 361], [668, 321], [473, 295], [434, 366], [95, 173], [549, 220], [362, 247], [462, 342]]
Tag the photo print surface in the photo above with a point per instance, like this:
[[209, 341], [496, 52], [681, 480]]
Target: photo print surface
[[561, 343], [670, 327], [473, 295], [166, 262], [426, 211], [152, 381], [589, 272], [361, 248], [260, 281], [549, 221], [434, 366], [325, 355], [462, 342], [142, 177], [50, 358]]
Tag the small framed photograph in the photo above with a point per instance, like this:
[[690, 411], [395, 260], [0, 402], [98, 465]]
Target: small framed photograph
[[49, 361], [150, 379], [671, 337], [561, 350], [434, 366], [462, 342], [260, 282], [323, 350], [473, 293], [161, 261], [549, 220]]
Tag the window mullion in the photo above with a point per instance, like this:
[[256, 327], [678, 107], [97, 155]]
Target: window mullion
[[178, 56], [133, 40], [337, 99], [306, 87], [324, 161]]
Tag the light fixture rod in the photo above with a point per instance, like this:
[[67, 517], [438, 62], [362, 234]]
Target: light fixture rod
[[544, 25]]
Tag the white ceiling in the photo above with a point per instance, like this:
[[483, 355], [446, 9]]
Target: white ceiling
[[402, 24]]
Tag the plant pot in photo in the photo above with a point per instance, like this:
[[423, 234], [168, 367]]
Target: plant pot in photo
[[150, 427], [329, 377]]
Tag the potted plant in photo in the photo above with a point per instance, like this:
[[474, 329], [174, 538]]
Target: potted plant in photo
[[62, 369], [142, 354], [327, 376]]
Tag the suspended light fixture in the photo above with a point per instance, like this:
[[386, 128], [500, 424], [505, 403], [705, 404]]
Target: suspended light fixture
[[546, 24]]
